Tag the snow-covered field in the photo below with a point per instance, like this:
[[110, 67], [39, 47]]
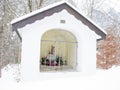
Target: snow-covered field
[[102, 80]]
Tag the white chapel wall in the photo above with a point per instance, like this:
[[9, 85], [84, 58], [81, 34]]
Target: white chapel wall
[[31, 36]]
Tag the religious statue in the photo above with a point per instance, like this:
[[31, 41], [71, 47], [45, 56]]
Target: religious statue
[[51, 54], [52, 50]]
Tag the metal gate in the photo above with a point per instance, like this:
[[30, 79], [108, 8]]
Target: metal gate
[[58, 54]]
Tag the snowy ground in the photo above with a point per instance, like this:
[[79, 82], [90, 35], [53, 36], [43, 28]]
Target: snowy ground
[[102, 80]]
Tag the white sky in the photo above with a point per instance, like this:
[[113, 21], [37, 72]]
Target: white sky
[[114, 4], [107, 4]]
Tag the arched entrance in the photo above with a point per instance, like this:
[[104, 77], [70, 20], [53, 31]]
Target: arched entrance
[[58, 51]]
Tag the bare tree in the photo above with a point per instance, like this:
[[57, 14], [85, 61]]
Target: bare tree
[[8, 46], [88, 6], [37, 4], [30, 5]]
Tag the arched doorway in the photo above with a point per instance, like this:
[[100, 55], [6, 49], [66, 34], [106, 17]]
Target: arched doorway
[[58, 51]]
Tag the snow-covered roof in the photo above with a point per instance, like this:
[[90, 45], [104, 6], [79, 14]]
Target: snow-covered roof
[[52, 6], [41, 10], [37, 11]]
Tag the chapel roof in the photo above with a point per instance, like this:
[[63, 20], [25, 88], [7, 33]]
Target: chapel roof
[[56, 7]]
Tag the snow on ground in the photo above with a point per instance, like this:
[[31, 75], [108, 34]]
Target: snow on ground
[[102, 80], [10, 73]]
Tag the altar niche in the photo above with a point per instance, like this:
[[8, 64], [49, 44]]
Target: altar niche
[[58, 51]]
